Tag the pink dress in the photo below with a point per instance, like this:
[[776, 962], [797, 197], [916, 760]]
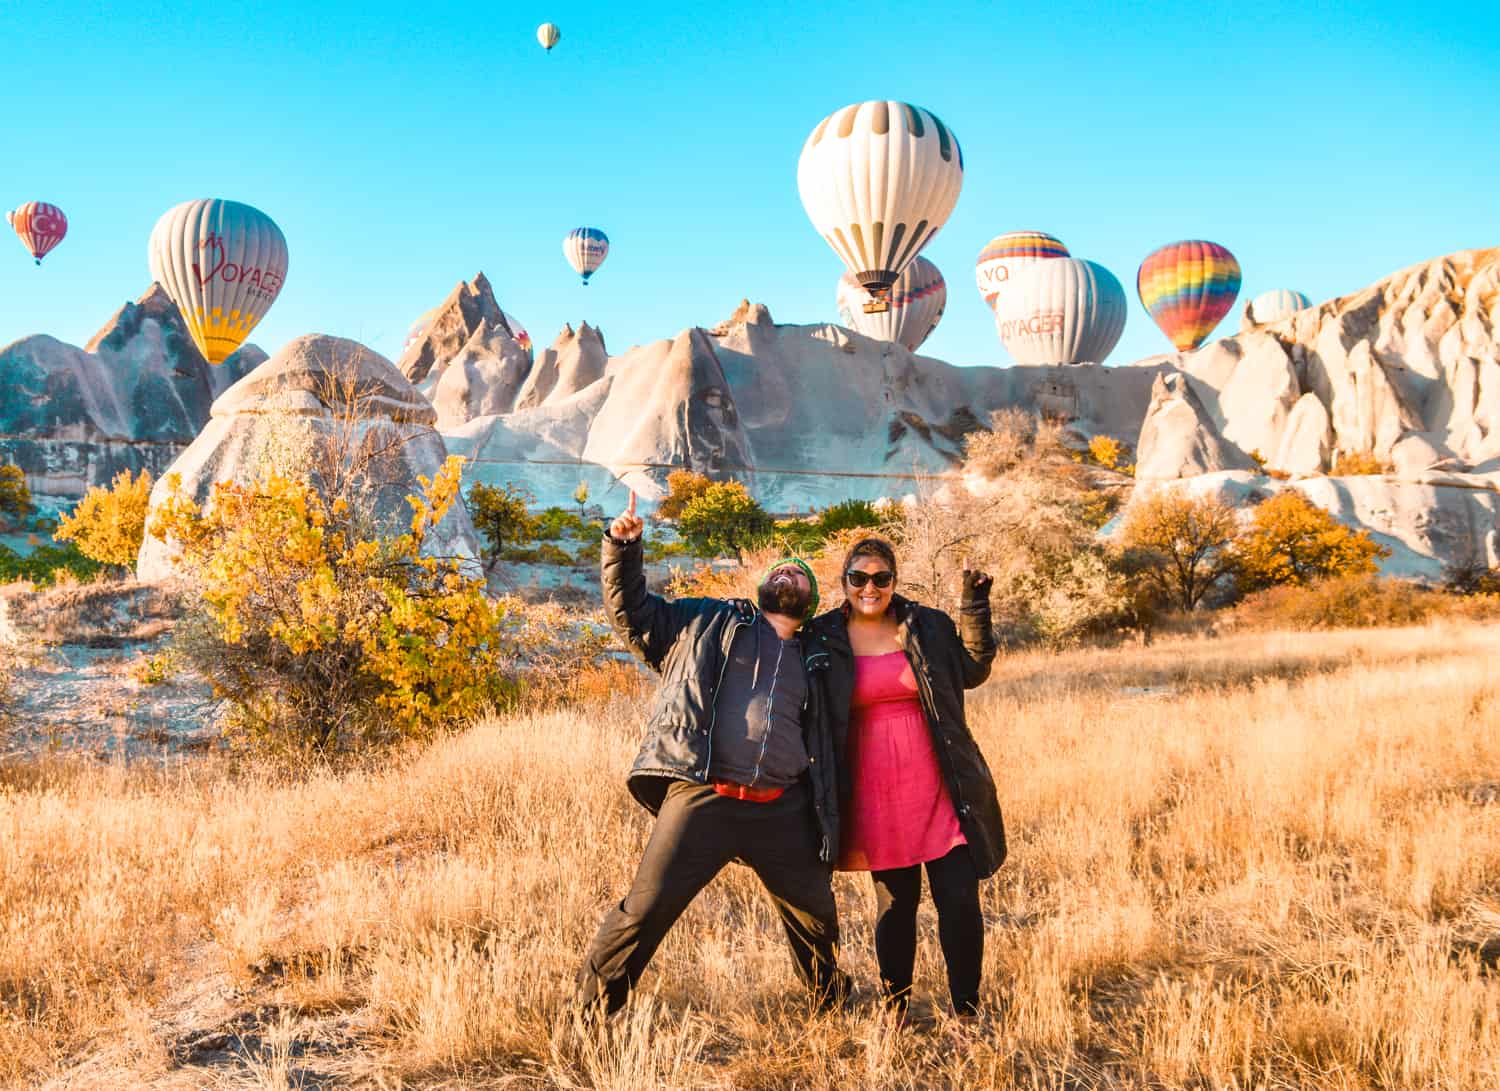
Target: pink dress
[[897, 812]]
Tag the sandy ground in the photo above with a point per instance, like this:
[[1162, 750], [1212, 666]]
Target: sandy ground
[[73, 684]]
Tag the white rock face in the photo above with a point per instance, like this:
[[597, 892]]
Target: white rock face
[[304, 410], [132, 399], [1306, 444], [1178, 438], [805, 415]]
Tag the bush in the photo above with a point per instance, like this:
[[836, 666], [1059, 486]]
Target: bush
[[1345, 602], [47, 565], [545, 553], [108, 525], [723, 519], [15, 495], [322, 632], [501, 517], [683, 487], [1109, 452], [1354, 464], [1293, 541], [1180, 545], [554, 522]]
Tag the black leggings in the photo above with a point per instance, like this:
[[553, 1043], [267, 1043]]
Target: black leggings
[[955, 893]]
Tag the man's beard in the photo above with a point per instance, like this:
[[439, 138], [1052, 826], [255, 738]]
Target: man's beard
[[785, 597]]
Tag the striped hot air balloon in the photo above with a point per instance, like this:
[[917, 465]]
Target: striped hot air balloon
[[1187, 287], [916, 303], [877, 180], [586, 248], [223, 263], [1006, 254], [39, 225], [548, 35], [1275, 305], [1064, 311]]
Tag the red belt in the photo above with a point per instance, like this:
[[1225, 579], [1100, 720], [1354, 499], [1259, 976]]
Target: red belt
[[744, 791]]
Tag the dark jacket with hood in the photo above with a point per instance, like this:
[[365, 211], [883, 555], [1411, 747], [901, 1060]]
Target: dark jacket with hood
[[687, 641], [944, 665]]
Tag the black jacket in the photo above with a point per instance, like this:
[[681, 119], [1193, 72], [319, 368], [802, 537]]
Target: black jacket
[[687, 641], [944, 665]]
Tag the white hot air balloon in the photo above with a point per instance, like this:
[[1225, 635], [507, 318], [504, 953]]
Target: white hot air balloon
[[1061, 311], [223, 263], [1275, 305], [548, 36], [586, 248], [877, 180], [917, 300]]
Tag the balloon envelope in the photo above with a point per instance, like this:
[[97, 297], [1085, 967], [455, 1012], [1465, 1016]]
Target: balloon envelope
[[1063, 311], [39, 226], [1275, 305], [223, 263], [877, 180], [917, 300], [548, 35], [586, 248], [1188, 286], [1006, 254]]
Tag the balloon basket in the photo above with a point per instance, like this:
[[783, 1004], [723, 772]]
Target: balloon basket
[[877, 306]]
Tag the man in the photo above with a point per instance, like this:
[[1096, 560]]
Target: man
[[738, 763]]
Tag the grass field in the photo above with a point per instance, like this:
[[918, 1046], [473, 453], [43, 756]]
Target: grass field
[[1267, 861]]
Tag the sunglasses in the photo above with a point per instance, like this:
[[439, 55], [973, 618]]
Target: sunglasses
[[881, 580]]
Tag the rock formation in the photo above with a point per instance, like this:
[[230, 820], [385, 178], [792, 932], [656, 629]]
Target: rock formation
[[131, 399], [323, 406]]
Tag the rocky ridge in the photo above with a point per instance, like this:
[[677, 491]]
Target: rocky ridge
[[133, 398]]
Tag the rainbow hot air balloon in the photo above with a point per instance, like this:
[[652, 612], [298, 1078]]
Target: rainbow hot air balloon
[[1275, 305], [917, 300], [548, 35], [1064, 311], [1006, 254], [223, 263], [877, 180], [1188, 286], [39, 225], [586, 248]]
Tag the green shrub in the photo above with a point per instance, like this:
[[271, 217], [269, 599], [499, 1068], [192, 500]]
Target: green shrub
[[47, 565], [724, 519], [554, 522], [501, 517]]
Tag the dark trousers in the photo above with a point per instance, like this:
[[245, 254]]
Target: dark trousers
[[955, 893], [697, 832]]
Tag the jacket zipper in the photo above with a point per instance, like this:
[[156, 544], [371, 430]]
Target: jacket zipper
[[713, 716]]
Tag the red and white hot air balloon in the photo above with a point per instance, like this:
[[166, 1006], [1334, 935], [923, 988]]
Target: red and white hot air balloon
[[39, 225]]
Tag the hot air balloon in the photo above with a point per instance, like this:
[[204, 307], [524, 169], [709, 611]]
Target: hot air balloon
[[877, 180], [1188, 286], [1006, 254], [40, 226], [586, 248], [548, 35], [1064, 311], [916, 303], [1275, 305], [223, 263]]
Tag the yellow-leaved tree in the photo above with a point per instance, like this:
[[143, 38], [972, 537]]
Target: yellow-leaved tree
[[108, 524], [323, 631], [1292, 541]]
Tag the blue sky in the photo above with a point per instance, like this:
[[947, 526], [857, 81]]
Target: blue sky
[[402, 147]]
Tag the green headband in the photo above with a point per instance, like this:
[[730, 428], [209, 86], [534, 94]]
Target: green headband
[[812, 581]]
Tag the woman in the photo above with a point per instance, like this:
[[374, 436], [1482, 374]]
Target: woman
[[917, 790]]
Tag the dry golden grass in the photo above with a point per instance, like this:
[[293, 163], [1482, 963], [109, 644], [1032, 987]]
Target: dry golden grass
[[1268, 861]]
